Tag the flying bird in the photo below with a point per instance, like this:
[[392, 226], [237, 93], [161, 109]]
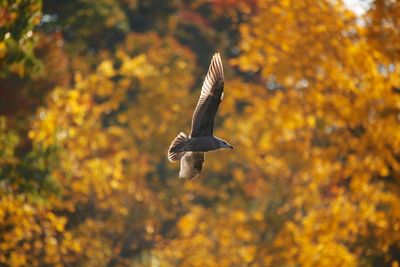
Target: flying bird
[[191, 149]]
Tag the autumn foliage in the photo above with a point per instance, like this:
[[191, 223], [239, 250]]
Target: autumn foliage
[[93, 92]]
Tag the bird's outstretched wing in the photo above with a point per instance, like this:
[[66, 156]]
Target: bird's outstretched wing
[[210, 98], [191, 165]]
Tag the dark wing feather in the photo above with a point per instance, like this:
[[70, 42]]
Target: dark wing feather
[[210, 98]]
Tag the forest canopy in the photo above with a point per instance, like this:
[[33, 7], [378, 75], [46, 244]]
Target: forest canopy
[[93, 92]]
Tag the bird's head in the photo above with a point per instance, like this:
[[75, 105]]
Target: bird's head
[[224, 144]]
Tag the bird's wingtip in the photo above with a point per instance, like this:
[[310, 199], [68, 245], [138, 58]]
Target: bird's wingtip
[[217, 62]]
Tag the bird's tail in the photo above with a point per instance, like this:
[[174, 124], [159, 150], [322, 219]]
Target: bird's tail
[[176, 149]]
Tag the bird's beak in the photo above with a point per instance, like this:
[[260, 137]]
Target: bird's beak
[[231, 147]]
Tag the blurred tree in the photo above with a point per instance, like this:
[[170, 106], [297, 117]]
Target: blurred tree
[[87, 26], [319, 121], [17, 20], [383, 27], [104, 126]]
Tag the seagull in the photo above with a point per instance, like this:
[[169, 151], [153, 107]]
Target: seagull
[[191, 149]]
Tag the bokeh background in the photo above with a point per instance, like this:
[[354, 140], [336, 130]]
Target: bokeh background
[[93, 91]]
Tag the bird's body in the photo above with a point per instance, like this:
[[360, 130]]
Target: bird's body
[[199, 144], [190, 149]]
